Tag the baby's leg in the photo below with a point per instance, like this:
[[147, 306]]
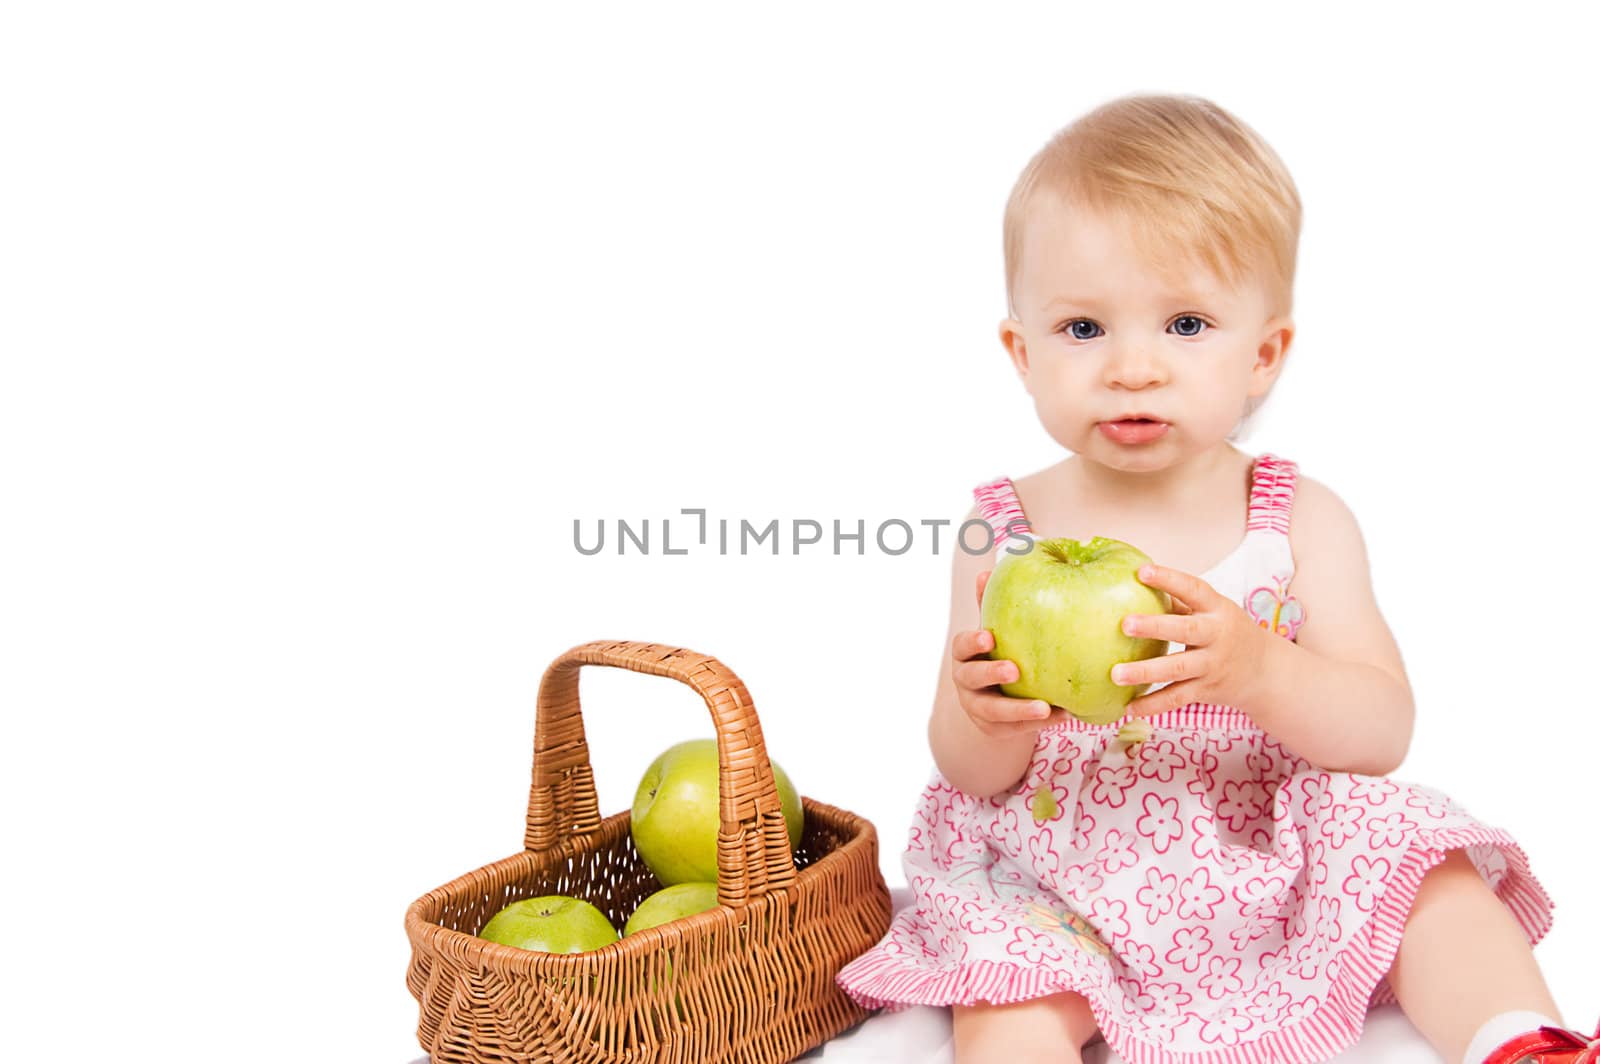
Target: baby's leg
[[1046, 1030], [1463, 960]]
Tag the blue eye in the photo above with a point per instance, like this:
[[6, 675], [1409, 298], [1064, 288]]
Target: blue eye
[[1071, 327]]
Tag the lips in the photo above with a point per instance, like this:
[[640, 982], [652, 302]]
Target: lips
[[1134, 429]]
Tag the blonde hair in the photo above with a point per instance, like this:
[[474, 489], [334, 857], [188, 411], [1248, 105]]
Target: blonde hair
[[1190, 180]]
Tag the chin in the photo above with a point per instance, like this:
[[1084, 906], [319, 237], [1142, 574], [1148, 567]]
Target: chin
[[1153, 455], [1147, 462]]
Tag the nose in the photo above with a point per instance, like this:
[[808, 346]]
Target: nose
[[1131, 365]]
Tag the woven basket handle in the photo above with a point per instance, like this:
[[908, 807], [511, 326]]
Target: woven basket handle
[[753, 854]]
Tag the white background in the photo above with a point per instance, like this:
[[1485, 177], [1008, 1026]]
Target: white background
[[323, 322]]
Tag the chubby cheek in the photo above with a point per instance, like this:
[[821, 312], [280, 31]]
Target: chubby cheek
[[1069, 424], [1062, 399], [1220, 412]]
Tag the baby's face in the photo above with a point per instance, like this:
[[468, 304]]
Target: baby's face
[[1102, 335]]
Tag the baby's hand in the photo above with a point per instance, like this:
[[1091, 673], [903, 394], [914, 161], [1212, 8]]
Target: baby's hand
[[977, 681], [1223, 648]]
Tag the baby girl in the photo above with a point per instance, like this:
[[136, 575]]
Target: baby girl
[[1226, 875]]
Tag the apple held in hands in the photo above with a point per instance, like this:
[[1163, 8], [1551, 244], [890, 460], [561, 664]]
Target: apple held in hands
[[676, 812], [1056, 610], [553, 923]]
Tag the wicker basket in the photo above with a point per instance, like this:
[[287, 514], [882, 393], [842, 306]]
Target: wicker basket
[[751, 980]]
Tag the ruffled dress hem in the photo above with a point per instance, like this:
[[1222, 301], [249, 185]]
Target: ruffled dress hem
[[878, 980]]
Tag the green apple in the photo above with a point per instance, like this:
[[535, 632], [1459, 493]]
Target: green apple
[[671, 903], [1056, 610], [676, 811], [554, 923]]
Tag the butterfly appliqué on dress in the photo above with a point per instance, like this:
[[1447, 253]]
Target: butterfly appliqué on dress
[[1275, 610], [1069, 925]]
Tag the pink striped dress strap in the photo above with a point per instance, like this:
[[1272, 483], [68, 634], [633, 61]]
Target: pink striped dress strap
[[999, 505], [1272, 494]]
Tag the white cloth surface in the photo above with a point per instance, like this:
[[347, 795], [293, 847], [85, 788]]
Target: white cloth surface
[[921, 1035]]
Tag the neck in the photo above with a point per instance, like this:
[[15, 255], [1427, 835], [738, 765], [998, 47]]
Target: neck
[[1177, 486]]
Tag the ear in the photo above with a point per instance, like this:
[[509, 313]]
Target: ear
[[1270, 354], [1016, 346]]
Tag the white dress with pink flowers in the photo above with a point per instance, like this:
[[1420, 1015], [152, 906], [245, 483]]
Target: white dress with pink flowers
[[1215, 897]]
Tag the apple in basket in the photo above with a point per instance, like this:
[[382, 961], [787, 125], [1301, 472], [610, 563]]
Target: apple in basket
[[666, 905], [671, 903], [553, 923], [1056, 610], [675, 812]]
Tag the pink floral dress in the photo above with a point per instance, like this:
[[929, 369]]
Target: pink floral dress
[[1215, 897]]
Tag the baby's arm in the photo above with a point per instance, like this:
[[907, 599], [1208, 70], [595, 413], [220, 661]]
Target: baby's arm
[[980, 762], [1339, 697]]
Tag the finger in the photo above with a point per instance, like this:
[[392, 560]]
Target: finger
[[1189, 590], [1192, 630], [1174, 696], [971, 644], [979, 674], [1168, 668], [1011, 729], [1002, 709], [983, 581]]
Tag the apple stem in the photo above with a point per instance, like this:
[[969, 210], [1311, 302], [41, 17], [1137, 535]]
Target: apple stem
[[1057, 549]]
